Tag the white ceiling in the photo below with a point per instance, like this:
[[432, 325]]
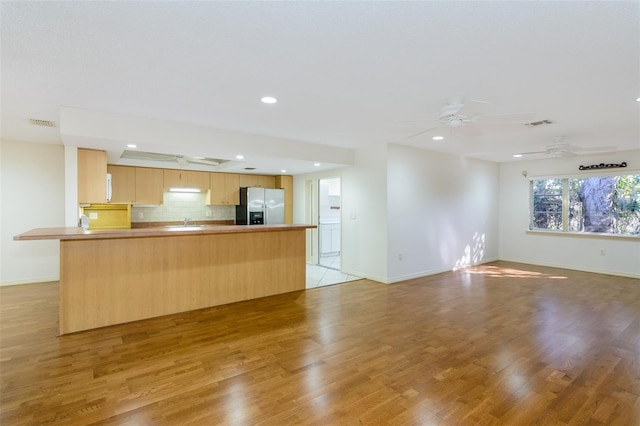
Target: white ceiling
[[344, 74]]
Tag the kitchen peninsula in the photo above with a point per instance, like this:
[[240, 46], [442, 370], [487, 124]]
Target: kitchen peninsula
[[120, 275]]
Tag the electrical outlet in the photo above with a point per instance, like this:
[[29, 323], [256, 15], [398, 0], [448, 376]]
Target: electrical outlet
[[208, 214], [93, 215], [140, 215], [602, 252]]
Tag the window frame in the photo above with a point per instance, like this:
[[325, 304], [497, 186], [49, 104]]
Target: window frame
[[565, 202]]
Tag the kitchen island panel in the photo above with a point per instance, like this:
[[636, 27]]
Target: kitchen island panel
[[117, 280]]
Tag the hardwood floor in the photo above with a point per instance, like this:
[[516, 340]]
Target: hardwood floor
[[501, 343]]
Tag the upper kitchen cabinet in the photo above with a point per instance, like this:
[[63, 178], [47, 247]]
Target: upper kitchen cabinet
[[224, 189], [186, 179], [123, 184], [149, 185], [259, 181], [92, 176]]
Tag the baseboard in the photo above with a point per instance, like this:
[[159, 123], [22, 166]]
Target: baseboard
[[29, 281], [421, 274], [573, 268], [361, 274]]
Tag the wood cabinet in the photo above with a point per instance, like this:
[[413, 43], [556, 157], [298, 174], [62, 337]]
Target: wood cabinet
[[136, 185], [92, 176], [286, 182], [224, 189], [185, 179], [123, 184], [259, 181], [149, 185]]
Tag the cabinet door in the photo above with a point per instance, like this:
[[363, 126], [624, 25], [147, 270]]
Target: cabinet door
[[149, 185], [92, 176], [123, 184], [325, 239], [248, 180], [173, 178], [186, 179], [258, 181], [225, 189], [267, 181], [218, 189], [335, 238], [198, 180], [232, 189]]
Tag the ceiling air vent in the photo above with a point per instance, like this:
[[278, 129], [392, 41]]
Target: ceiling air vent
[[249, 168], [539, 123], [42, 123]]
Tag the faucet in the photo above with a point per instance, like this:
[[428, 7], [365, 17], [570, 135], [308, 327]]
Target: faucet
[[186, 221]]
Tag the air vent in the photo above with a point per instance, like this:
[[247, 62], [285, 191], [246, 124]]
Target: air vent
[[539, 123], [249, 168], [41, 123]]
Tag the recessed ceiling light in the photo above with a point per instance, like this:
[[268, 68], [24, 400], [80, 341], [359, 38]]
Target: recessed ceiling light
[[239, 157], [283, 171], [638, 99], [316, 164], [517, 155], [268, 100], [132, 145], [437, 138]]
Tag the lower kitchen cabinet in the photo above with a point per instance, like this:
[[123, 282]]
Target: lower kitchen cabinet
[[329, 238]]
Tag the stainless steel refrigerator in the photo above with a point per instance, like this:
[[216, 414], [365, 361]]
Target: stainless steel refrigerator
[[260, 206]]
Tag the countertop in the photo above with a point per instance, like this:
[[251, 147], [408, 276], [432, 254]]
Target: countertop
[[76, 233]]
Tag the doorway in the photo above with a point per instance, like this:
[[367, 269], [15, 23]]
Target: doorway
[[329, 204]]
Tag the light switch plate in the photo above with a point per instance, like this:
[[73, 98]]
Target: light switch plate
[[93, 215]]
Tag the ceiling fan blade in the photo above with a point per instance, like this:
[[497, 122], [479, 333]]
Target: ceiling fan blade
[[421, 133], [593, 149], [533, 152], [416, 121], [141, 155], [503, 118], [469, 131], [204, 161], [182, 161]]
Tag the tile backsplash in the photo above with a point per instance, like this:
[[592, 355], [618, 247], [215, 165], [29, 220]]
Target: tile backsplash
[[180, 205]]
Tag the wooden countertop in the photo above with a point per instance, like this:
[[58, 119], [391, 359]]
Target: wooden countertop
[[76, 233]]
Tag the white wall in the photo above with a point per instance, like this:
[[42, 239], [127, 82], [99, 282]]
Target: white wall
[[32, 196], [442, 212], [364, 215], [579, 252], [363, 212]]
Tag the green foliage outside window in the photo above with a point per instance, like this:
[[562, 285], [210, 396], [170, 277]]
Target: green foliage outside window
[[601, 204]]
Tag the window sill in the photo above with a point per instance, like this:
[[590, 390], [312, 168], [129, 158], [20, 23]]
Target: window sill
[[583, 235]]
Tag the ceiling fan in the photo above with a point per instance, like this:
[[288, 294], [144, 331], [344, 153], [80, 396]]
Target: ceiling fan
[[454, 115], [183, 160], [560, 148]]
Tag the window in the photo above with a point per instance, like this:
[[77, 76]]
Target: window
[[603, 204]]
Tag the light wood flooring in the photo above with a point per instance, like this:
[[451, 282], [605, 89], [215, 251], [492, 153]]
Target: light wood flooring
[[497, 344]]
